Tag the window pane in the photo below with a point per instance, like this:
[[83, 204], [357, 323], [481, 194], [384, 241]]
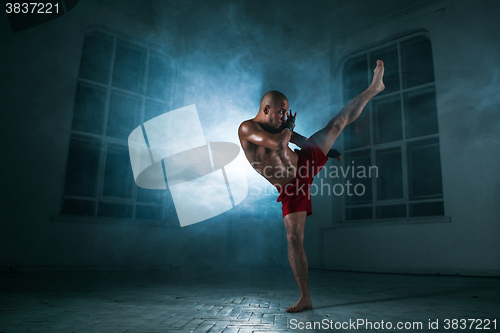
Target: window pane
[[96, 57], [357, 133], [159, 76], [148, 212], [171, 217], [246, 214], [83, 167], [427, 209], [421, 113], [118, 177], [123, 115], [89, 109], [418, 67], [355, 77], [355, 81], [154, 109], [393, 211], [114, 210], [390, 179], [359, 213], [389, 56], [130, 62], [362, 161], [78, 207], [424, 164], [387, 117], [151, 196]]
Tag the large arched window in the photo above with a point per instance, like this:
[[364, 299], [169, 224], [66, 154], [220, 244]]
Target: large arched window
[[121, 84], [397, 132]]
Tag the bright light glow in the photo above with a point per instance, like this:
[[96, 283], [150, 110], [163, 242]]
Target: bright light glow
[[199, 189]]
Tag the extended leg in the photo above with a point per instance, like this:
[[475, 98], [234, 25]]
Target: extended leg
[[295, 224], [325, 137]]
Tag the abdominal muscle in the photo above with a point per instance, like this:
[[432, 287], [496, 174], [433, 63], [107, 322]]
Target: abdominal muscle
[[278, 167]]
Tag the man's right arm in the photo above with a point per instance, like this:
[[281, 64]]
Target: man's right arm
[[252, 132]]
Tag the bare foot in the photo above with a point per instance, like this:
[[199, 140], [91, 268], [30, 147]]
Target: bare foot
[[378, 74], [303, 303]]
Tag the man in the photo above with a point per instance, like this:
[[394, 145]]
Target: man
[[265, 141]]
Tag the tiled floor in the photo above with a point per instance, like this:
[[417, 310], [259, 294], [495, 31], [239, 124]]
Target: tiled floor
[[236, 301]]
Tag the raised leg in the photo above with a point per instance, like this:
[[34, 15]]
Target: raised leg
[[325, 137], [295, 224]]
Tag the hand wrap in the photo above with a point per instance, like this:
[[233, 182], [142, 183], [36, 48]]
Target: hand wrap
[[290, 123], [333, 153]]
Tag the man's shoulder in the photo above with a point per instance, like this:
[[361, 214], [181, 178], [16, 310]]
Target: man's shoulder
[[249, 122], [247, 126]]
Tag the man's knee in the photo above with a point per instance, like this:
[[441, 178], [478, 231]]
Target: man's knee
[[295, 239], [335, 126]]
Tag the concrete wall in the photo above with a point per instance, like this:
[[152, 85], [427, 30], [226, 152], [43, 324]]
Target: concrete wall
[[466, 49]]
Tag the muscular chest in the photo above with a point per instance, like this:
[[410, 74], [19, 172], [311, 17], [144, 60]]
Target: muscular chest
[[266, 154]]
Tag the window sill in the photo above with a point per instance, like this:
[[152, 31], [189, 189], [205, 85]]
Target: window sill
[[113, 220], [396, 221]]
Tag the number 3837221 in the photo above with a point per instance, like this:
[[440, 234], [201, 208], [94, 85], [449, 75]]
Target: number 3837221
[[31, 8]]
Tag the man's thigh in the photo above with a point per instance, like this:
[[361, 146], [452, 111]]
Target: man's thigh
[[326, 136]]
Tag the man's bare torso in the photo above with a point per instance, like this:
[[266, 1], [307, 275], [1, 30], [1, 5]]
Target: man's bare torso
[[278, 166]]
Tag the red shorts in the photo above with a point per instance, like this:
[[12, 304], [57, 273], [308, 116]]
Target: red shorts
[[295, 195]]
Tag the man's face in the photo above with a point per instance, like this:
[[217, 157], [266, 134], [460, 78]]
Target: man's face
[[277, 115]]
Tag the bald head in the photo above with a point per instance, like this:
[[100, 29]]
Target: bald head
[[273, 110], [271, 98]]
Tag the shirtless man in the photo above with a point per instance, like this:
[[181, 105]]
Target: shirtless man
[[265, 141]]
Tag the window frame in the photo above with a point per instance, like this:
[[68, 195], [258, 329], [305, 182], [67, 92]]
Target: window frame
[[402, 143], [166, 209]]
